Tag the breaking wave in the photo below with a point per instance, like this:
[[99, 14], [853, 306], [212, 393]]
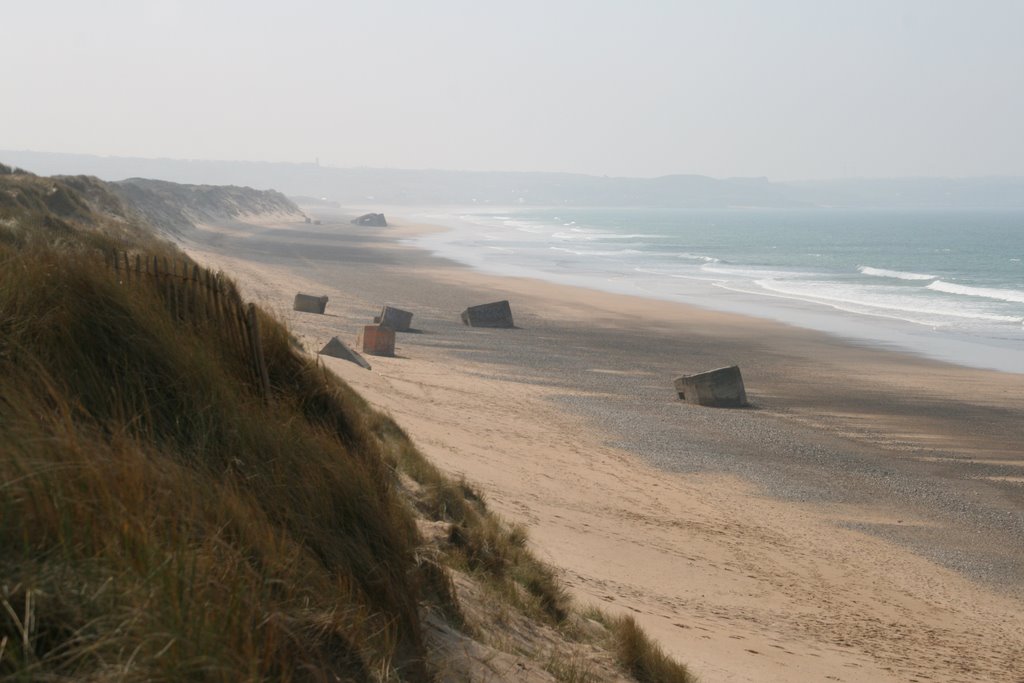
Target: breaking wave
[[697, 257], [1011, 295], [611, 252], [891, 300], [898, 274]]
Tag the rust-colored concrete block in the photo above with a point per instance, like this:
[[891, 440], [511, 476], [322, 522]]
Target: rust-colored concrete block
[[377, 340]]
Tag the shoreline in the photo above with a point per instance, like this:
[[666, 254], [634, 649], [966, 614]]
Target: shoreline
[[788, 542], [878, 330]]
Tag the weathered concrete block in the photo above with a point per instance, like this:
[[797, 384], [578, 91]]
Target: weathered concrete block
[[497, 314], [338, 349], [395, 318], [308, 303], [721, 388], [375, 220], [376, 340]]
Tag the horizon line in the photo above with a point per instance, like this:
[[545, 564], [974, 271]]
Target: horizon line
[[318, 164]]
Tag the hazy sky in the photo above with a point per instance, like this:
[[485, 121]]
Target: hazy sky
[[786, 89]]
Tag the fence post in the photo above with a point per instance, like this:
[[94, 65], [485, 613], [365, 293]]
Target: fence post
[[257, 350], [168, 300], [242, 326], [182, 295], [241, 323], [247, 349], [197, 291], [215, 295], [211, 308]]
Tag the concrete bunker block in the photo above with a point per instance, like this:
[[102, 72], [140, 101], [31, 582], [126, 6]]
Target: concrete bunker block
[[339, 349], [496, 314], [395, 318], [376, 220], [722, 388], [376, 340], [309, 303]]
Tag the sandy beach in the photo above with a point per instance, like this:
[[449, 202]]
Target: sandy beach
[[862, 521]]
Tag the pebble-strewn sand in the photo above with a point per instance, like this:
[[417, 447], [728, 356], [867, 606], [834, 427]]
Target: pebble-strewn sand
[[864, 521]]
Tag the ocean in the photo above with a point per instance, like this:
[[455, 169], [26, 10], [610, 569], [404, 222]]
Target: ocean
[[947, 285]]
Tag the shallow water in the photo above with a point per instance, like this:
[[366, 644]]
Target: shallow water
[[943, 284]]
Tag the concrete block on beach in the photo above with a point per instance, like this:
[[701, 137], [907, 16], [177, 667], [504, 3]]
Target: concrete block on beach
[[375, 220], [395, 318], [722, 388], [497, 314], [376, 340], [308, 303], [338, 349]]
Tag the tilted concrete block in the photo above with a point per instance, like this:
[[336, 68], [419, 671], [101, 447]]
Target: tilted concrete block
[[308, 303], [395, 318], [497, 314], [338, 349], [376, 220], [721, 388]]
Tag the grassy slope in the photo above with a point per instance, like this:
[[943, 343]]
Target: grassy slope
[[160, 521]]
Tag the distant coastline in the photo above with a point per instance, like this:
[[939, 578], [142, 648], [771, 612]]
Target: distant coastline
[[422, 187]]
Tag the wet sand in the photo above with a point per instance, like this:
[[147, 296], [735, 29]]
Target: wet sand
[[863, 520]]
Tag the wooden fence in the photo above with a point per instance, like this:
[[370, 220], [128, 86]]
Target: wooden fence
[[202, 298]]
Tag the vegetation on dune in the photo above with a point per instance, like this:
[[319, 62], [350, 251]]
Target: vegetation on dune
[[642, 657], [162, 518], [479, 542]]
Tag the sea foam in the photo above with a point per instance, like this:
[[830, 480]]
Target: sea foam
[[594, 252], [697, 257], [1012, 295], [898, 274], [893, 301], [754, 272], [591, 235]]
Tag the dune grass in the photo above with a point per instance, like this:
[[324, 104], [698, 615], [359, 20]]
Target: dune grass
[[159, 519], [479, 541], [163, 519], [642, 657]]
